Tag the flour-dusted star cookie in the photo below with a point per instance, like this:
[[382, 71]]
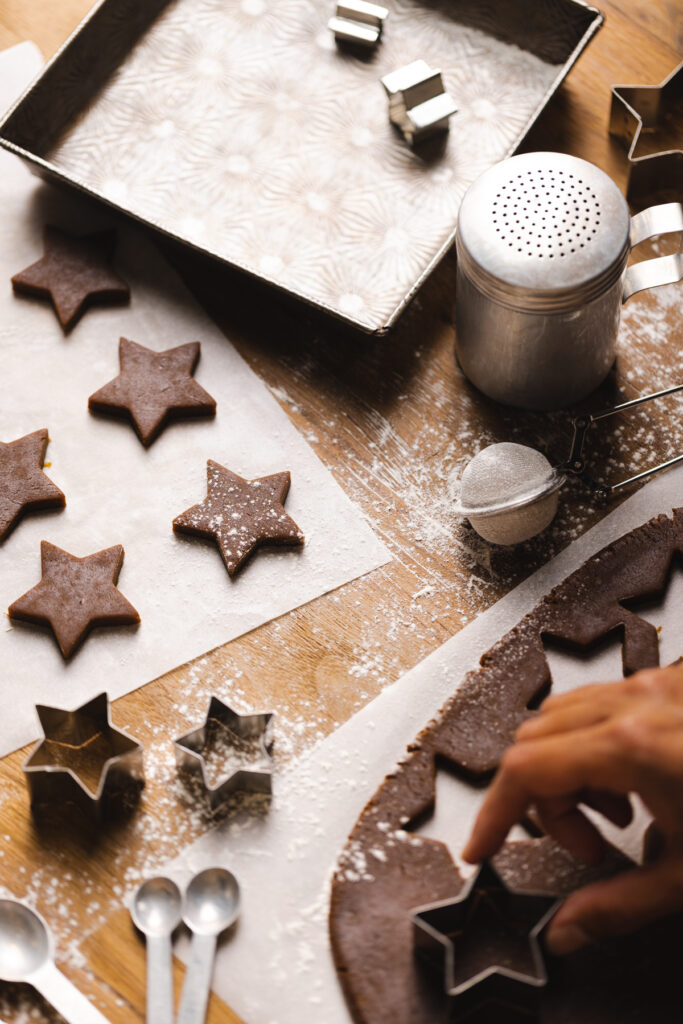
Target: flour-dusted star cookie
[[76, 594], [24, 487], [153, 388], [241, 515], [74, 273]]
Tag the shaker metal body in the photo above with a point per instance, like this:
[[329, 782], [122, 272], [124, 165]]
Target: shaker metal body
[[542, 244]]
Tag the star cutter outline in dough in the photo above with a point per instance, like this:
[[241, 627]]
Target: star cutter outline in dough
[[435, 924], [53, 781], [191, 762], [635, 109]]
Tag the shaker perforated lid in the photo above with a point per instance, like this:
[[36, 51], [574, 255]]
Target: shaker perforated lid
[[543, 231]]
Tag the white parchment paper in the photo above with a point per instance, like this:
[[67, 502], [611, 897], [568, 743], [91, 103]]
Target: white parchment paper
[[119, 493], [277, 967]]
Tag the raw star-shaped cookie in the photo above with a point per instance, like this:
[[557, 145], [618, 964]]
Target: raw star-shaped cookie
[[153, 388], [74, 273], [76, 594], [23, 485], [241, 515]]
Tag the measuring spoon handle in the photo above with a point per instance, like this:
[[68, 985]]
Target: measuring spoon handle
[[197, 984], [66, 999], [159, 980]]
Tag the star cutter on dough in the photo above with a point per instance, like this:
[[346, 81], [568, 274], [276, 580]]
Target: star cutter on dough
[[438, 927], [54, 768], [643, 108], [191, 761]]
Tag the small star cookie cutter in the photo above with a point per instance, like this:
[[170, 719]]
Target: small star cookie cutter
[[636, 110], [244, 736], [418, 102], [442, 930], [83, 760], [358, 22]]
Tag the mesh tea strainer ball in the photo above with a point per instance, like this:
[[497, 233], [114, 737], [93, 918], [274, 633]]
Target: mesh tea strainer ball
[[509, 493]]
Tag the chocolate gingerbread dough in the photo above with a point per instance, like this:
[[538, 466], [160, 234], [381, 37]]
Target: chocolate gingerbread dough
[[76, 594], [154, 388], [74, 273], [241, 515], [24, 487], [384, 872]]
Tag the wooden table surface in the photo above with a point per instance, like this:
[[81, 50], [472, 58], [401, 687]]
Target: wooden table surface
[[395, 422]]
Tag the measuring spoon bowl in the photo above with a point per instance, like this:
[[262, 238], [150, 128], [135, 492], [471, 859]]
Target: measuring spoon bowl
[[26, 954], [156, 907], [212, 901]]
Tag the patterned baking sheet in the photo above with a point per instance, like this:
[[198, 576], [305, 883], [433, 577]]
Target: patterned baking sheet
[[239, 126]]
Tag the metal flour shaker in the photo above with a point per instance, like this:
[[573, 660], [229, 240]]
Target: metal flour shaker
[[542, 245]]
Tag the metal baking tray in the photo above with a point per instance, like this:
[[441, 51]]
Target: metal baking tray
[[240, 128]]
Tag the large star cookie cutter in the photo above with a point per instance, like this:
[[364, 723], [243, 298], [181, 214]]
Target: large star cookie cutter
[[641, 109], [83, 760], [486, 942], [238, 746]]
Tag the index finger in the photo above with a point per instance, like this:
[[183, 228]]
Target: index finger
[[550, 767]]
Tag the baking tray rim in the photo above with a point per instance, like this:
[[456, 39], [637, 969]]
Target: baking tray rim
[[52, 171]]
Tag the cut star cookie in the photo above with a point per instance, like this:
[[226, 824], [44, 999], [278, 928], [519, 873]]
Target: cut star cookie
[[241, 515], [74, 273], [153, 388], [23, 485], [76, 594]]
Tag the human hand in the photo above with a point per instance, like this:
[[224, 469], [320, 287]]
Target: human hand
[[594, 746]]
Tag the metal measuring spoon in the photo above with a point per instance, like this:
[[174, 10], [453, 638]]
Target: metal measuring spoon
[[212, 903], [26, 954], [156, 912]]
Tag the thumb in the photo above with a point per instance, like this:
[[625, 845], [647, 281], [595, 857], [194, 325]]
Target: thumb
[[617, 906]]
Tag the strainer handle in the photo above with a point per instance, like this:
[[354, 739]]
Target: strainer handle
[[656, 220]]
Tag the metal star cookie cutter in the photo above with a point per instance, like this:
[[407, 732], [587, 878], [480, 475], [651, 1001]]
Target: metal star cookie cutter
[[638, 109], [443, 929], [245, 735], [83, 759], [418, 102], [358, 22]]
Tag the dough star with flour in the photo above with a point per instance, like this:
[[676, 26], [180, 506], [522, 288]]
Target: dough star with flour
[[241, 515]]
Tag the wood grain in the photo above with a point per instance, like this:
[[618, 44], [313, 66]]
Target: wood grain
[[394, 420]]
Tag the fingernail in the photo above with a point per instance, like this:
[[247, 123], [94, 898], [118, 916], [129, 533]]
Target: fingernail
[[466, 855], [566, 938]]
